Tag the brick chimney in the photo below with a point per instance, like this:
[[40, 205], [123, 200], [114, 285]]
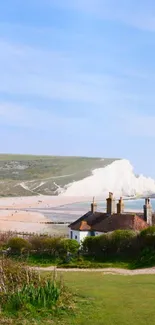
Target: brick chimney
[[93, 206], [110, 204], [120, 206], [148, 212]]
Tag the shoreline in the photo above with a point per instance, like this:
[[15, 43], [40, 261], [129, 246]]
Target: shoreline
[[16, 213]]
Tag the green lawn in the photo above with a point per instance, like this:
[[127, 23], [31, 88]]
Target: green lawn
[[103, 300], [112, 299]]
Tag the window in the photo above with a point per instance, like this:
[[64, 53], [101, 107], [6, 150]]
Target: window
[[71, 234], [75, 237]]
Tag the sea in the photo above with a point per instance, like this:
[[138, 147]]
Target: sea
[[129, 205], [70, 212]]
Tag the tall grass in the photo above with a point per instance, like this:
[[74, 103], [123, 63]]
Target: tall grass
[[44, 295], [22, 288]]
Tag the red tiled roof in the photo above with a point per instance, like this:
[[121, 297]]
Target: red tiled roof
[[99, 221], [90, 218], [120, 221]]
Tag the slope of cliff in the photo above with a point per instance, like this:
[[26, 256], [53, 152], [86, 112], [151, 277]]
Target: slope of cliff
[[48, 175]]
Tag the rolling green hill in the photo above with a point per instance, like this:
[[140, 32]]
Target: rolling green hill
[[30, 175]]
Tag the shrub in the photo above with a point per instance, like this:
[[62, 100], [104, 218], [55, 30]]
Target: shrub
[[72, 246], [146, 238], [108, 245], [53, 246], [18, 244], [121, 240], [96, 246], [37, 243], [146, 258], [88, 245], [47, 245], [150, 231]]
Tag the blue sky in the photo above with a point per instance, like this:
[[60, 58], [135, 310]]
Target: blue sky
[[77, 78]]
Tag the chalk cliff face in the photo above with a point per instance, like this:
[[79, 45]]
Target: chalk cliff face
[[70, 176], [118, 177]]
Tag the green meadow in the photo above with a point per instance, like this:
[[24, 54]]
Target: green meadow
[[103, 300]]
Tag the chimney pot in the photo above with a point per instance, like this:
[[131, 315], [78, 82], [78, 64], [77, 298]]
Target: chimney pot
[[93, 205], [120, 206], [148, 212], [110, 204]]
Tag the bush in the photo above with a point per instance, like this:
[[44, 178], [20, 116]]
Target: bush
[[72, 246], [96, 246], [108, 245], [121, 241], [37, 243], [150, 231], [47, 245], [88, 245], [146, 258], [18, 244]]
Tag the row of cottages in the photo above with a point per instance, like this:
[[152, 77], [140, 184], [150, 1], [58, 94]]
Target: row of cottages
[[95, 223]]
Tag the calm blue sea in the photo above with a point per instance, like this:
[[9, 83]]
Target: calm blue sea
[[101, 205], [68, 210]]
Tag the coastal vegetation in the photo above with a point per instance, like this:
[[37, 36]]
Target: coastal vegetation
[[28, 297], [95, 298], [120, 248], [25, 294]]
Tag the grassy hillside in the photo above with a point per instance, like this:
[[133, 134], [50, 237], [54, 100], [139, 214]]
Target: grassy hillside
[[30, 175]]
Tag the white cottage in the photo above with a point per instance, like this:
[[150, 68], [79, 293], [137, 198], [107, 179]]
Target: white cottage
[[95, 223]]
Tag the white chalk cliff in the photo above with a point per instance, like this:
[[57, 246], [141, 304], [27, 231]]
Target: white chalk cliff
[[117, 177]]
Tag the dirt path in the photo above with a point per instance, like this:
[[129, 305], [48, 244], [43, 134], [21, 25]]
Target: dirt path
[[105, 270]]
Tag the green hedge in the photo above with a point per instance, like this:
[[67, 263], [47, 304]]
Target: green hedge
[[120, 243], [56, 247]]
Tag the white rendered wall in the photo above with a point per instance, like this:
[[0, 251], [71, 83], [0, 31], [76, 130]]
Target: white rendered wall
[[83, 235], [78, 235], [98, 233]]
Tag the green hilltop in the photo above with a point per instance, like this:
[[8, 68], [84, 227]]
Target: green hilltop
[[23, 175]]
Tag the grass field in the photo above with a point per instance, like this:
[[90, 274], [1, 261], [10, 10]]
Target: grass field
[[31, 175], [112, 300], [103, 300]]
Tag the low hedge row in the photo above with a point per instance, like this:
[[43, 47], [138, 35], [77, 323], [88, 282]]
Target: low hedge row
[[48, 246], [120, 245]]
